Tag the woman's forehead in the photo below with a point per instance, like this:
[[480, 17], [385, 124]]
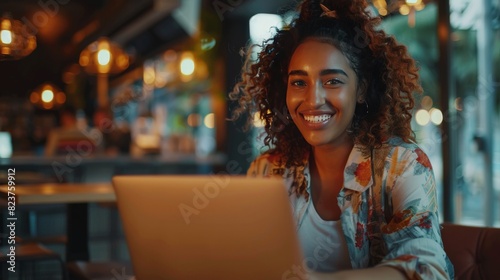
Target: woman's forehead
[[318, 53]]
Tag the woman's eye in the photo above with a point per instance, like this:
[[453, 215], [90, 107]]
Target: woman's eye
[[333, 82], [298, 83]]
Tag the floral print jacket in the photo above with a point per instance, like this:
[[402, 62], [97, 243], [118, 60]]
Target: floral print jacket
[[389, 208]]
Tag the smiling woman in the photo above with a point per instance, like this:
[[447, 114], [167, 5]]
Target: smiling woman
[[363, 193]]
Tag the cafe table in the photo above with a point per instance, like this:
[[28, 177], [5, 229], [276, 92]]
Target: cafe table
[[76, 196], [80, 192], [52, 193]]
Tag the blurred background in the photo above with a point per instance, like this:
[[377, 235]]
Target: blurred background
[[147, 81]]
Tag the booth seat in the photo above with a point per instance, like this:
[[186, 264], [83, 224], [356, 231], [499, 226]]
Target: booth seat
[[474, 251]]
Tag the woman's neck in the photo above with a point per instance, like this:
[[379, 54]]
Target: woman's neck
[[331, 159], [327, 165]]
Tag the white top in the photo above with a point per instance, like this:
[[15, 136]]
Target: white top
[[323, 243]]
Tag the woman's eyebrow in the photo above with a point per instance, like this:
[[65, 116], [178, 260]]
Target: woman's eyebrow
[[297, 73], [322, 73], [332, 72]]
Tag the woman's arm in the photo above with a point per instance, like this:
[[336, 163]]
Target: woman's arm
[[412, 235]]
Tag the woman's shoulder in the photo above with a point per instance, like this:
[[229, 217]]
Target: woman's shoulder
[[397, 143], [401, 150]]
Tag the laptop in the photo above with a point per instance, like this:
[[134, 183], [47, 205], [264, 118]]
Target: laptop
[[208, 227]]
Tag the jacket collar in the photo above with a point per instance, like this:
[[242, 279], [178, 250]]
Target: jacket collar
[[357, 172]]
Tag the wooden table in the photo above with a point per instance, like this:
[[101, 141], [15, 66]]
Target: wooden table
[[76, 196], [52, 193]]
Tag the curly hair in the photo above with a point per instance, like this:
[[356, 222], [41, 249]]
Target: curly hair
[[385, 71]]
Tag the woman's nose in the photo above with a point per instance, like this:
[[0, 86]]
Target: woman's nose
[[316, 94]]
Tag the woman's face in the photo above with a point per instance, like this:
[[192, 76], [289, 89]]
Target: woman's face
[[321, 93]]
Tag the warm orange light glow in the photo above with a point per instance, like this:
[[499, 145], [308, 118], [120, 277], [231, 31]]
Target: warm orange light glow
[[209, 120], [410, 8], [47, 96], [404, 10], [15, 40], [426, 102], [419, 6], [413, 2], [381, 6], [149, 75], [257, 121], [187, 66], [34, 97], [193, 120], [103, 57], [60, 98], [6, 36]]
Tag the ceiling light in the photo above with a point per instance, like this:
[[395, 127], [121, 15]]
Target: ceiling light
[[15, 40], [48, 96], [102, 58]]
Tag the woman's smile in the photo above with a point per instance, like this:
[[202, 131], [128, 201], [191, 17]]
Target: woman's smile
[[316, 120]]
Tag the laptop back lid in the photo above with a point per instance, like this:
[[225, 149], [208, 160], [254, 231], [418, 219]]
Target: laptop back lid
[[207, 227]]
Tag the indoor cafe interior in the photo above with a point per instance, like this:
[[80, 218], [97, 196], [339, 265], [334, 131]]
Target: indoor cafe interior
[[93, 89]]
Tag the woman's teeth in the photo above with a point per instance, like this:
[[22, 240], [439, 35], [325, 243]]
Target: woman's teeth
[[317, 118]]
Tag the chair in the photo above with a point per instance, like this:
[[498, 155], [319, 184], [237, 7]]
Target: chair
[[32, 261], [473, 251]]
